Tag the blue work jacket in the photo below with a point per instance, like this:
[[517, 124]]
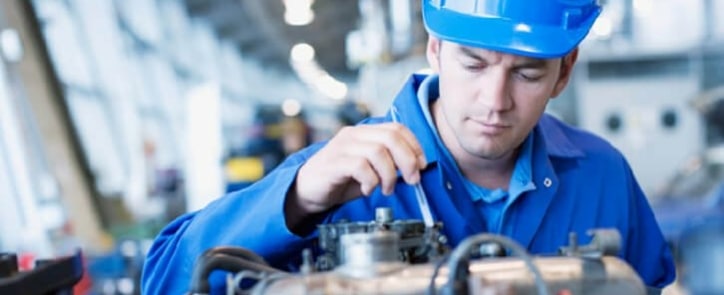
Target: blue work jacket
[[581, 182]]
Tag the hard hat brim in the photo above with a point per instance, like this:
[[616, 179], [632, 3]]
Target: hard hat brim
[[504, 35]]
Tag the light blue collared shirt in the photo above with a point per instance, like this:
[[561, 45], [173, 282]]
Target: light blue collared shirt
[[491, 202]]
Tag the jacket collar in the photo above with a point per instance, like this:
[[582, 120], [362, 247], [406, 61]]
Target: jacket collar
[[558, 144], [411, 114]]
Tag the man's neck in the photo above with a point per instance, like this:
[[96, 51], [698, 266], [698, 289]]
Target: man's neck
[[491, 174], [488, 173]]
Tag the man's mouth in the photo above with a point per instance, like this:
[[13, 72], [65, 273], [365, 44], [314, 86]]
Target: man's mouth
[[490, 128]]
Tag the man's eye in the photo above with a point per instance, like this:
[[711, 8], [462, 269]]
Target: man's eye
[[474, 67], [530, 77]]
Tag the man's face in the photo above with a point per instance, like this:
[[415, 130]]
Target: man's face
[[489, 101]]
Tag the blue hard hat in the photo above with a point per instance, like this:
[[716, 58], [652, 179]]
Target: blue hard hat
[[535, 28]]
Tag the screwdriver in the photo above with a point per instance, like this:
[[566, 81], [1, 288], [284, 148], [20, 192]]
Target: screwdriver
[[419, 193]]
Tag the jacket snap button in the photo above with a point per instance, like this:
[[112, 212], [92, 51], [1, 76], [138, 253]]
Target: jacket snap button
[[547, 182], [448, 185]]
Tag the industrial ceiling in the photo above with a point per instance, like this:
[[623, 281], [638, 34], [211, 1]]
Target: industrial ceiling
[[260, 32]]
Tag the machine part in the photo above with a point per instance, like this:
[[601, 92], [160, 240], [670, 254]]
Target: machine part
[[230, 259], [508, 275], [364, 249], [372, 270], [490, 249], [417, 243], [236, 285], [238, 252], [370, 254], [458, 264], [307, 262], [605, 242], [388, 256], [52, 276], [383, 215]]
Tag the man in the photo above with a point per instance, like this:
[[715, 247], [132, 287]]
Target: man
[[474, 135]]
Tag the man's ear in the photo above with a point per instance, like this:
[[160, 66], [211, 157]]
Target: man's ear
[[566, 70], [433, 53]]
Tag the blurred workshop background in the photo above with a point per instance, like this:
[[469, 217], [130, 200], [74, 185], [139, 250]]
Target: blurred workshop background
[[118, 115]]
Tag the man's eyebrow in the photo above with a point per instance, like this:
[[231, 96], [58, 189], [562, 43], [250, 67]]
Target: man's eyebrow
[[531, 63], [469, 53], [525, 63]]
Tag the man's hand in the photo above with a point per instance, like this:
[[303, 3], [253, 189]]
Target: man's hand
[[355, 161]]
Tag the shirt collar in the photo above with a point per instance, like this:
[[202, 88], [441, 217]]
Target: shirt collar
[[428, 92], [521, 181]]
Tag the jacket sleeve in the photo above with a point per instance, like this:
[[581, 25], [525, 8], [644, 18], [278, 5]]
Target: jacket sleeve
[[252, 218], [646, 249]]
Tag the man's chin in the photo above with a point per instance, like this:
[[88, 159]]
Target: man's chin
[[487, 153]]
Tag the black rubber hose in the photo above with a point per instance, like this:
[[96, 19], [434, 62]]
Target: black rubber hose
[[458, 262], [220, 261], [237, 252], [431, 288]]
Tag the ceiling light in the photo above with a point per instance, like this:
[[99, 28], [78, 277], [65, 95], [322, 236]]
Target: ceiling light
[[298, 12], [330, 87], [302, 52], [291, 107]]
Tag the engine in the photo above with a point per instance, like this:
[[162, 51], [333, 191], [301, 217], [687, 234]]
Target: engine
[[388, 256]]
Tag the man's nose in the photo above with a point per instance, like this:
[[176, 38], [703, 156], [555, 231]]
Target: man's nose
[[495, 92]]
